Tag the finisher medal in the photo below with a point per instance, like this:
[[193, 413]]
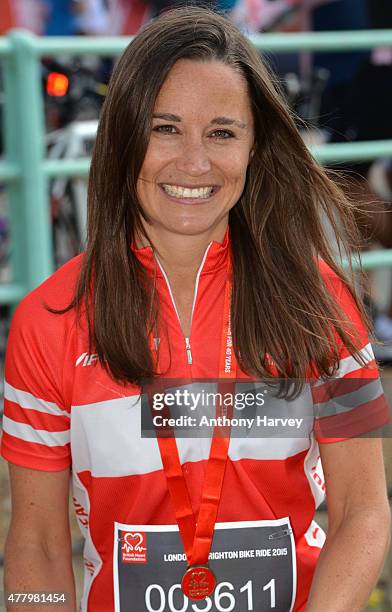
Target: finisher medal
[[199, 581]]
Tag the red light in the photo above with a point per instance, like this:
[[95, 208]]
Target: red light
[[57, 84]]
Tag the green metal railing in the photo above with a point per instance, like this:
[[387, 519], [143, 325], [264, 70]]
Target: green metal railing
[[26, 171]]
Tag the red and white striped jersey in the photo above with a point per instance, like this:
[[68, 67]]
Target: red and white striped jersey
[[62, 409]]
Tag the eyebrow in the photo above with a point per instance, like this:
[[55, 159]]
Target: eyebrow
[[228, 121], [167, 117], [215, 121]]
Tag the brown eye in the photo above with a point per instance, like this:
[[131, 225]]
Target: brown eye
[[222, 134], [165, 129]]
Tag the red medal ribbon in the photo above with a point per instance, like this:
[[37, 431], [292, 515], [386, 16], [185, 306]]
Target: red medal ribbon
[[199, 581]]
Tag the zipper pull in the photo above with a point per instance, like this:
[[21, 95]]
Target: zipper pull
[[188, 351]]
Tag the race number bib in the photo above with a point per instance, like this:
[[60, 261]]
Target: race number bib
[[254, 563]]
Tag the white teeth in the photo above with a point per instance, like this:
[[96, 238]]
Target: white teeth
[[185, 192]]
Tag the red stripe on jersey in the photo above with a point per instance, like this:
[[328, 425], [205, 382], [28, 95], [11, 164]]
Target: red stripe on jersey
[[36, 456], [358, 421], [37, 419]]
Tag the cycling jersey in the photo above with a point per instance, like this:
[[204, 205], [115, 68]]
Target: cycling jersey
[[62, 408]]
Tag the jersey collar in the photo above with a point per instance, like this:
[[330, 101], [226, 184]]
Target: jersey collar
[[216, 258]]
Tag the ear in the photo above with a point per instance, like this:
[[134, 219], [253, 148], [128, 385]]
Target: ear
[[251, 154]]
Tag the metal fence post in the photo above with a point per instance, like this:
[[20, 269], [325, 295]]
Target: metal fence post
[[31, 256]]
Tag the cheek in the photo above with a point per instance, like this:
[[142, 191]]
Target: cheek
[[157, 158], [151, 164], [236, 169]]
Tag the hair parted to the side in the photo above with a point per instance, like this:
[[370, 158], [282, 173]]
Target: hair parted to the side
[[282, 308]]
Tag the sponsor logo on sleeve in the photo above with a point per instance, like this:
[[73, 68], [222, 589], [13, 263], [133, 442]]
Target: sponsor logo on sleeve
[[85, 359]]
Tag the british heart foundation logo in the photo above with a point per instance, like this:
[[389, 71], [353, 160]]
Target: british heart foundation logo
[[134, 547]]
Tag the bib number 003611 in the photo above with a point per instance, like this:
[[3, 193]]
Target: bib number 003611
[[254, 564], [224, 598]]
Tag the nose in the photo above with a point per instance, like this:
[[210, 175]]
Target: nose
[[193, 158]]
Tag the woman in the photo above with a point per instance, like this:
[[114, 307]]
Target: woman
[[204, 234]]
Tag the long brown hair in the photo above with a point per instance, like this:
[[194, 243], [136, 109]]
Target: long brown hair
[[281, 308]]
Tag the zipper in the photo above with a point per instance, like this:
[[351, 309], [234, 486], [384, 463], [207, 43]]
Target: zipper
[[188, 351], [187, 340]]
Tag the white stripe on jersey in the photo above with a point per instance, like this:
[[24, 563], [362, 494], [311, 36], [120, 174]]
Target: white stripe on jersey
[[266, 448], [90, 553], [315, 536], [39, 436], [30, 402], [106, 441], [314, 472], [349, 364]]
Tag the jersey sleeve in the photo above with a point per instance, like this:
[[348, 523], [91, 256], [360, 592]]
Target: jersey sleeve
[[36, 423], [352, 403]]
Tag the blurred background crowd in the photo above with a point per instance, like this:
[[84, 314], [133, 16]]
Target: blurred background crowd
[[113, 17], [125, 17]]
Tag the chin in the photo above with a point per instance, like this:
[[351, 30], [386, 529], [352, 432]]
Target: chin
[[188, 228], [191, 230]]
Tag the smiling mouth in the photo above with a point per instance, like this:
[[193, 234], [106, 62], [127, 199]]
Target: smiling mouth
[[183, 193]]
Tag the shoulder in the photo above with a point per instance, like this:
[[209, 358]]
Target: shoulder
[[332, 280], [56, 292], [349, 309], [34, 312]]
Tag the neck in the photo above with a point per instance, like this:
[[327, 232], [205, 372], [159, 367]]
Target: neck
[[181, 255]]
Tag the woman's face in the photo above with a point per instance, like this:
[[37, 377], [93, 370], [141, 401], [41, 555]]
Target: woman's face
[[199, 149]]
